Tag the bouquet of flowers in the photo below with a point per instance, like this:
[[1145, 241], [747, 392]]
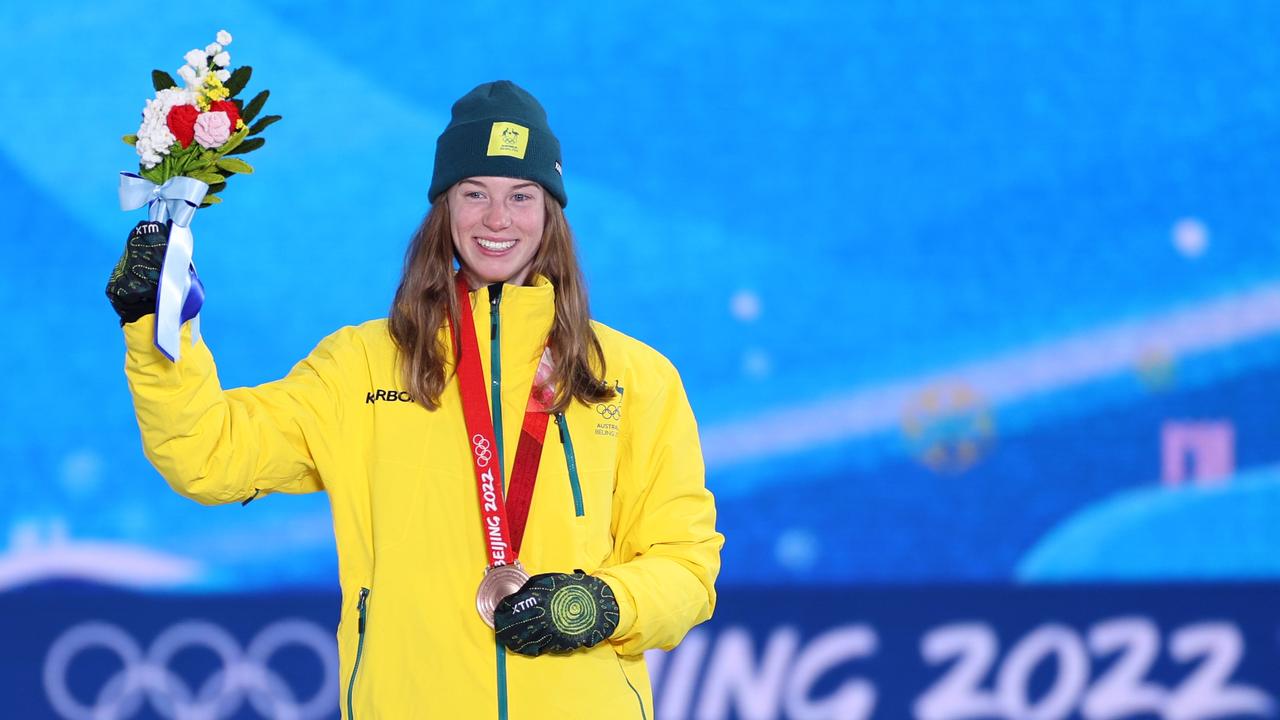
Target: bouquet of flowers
[[185, 144], [192, 130]]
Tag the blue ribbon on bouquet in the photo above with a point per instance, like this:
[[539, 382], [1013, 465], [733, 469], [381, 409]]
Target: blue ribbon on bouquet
[[181, 292]]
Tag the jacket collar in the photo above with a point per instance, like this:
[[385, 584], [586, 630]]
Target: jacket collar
[[526, 313]]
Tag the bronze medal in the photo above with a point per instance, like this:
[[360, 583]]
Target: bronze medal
[[499, 582]]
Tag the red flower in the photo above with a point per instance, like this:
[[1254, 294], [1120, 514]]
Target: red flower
[[182, 123], [228, 107]]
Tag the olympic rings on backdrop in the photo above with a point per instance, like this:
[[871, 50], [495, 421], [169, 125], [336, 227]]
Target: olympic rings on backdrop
[[242, 674]]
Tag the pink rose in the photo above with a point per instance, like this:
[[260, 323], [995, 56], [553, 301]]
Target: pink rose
[[212, 129], [228, 107]]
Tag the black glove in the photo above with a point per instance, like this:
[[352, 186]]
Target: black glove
[[556, 612], [132, 286]]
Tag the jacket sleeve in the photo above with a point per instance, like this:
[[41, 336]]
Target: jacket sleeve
[[219, 447], [666, 549]]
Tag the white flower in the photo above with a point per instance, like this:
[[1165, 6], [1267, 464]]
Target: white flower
[[188, 76], [223, 75], [224, 38], [154, 138], [212, 49], [196, 58], [222, 59]]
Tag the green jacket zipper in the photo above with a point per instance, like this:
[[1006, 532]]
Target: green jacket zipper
[[495, 369], [362, 606], [566, 440], [643, 714]]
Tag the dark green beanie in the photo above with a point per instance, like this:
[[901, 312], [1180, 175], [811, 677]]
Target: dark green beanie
[[498, 130]]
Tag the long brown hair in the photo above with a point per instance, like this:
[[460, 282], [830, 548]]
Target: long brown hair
[[426, 298]]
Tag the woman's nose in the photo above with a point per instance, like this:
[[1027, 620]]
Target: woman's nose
[[497, 217]]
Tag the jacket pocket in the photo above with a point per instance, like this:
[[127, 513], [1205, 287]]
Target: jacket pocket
[[566, 441], [363, 607]]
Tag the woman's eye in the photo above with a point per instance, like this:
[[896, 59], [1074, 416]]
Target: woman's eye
[[475, 195], [520, 197]]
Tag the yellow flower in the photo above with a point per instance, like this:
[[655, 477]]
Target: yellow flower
[[211, 90], [240, 123]]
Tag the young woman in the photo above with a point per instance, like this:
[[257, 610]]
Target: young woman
[[488, 430]]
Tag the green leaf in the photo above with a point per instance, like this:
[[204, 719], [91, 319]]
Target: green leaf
[[239, 78], [206, 177], [189, 160], [248, 146], [250, 111], [162, 80], [154, 174], [210, 200], [232, 142], [263, 124], [235, 166], [130, 139], [217, 187]]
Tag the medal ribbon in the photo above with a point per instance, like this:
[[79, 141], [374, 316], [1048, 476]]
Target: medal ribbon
[[502, 520]]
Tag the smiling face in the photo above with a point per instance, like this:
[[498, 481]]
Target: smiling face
[[496, 223]]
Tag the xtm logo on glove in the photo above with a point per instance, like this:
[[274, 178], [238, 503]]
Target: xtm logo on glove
[[133, 283]]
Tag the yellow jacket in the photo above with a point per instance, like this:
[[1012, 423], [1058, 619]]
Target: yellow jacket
[[620, 494]]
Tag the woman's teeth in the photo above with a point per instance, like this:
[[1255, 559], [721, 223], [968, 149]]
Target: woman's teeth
[[496, 246]]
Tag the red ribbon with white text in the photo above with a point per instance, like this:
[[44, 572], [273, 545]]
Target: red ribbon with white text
[[503, 520]]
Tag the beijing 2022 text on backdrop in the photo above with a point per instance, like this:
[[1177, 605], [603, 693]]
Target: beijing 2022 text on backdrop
[[977, 304]]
